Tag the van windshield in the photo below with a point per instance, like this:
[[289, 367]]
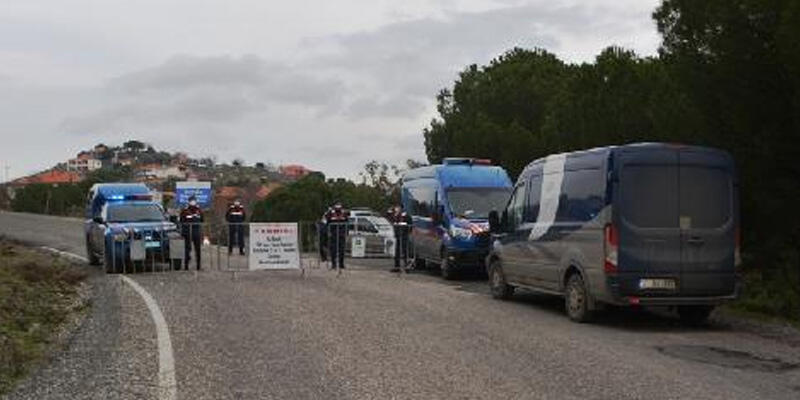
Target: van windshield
[[668, 196], [135, 213], [476, 203]]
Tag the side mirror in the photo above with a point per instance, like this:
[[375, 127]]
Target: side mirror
[[98, 220], [494, 221], [504, 220]]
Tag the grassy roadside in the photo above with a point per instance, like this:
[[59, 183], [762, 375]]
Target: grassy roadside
[[39, 293]]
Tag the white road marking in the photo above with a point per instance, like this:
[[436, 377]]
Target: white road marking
[[167, 384], [66, 254], [166, 362]]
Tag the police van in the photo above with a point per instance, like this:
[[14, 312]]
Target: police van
[[124, 225], [450, 204], [643, 224]]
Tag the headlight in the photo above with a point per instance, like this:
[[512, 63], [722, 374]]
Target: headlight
[[460, 233]]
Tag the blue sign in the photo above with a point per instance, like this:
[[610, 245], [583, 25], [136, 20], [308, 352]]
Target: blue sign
[[200, 190]]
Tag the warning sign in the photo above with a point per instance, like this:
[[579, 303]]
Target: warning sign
[[274, 246], [359, 246]]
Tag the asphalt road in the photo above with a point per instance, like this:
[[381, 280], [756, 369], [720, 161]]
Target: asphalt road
[[370, 334]]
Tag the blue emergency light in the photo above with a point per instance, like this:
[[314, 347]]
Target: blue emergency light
[[117, 192]]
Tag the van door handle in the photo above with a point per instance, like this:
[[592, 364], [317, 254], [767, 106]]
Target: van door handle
[[696, 240]]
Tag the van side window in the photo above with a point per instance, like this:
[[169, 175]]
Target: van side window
[[516, 207], [582, 195], [534, 197]]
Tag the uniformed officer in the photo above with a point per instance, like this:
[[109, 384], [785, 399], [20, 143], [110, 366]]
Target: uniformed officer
[[336, 219], [235, 218], [191, 228], [402, 224]]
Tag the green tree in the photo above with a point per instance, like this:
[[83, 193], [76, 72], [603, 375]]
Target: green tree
[[739, 63]]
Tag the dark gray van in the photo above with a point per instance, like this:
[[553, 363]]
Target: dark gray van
[[640, 224]]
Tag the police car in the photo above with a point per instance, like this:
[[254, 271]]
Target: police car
[[124, 225]]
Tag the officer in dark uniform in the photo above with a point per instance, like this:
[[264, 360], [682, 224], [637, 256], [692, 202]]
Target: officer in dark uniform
[[336, 219], [402, 224], [235, 218], [192, 231]]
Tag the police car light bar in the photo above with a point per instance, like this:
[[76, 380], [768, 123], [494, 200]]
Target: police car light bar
[[466, 161], [121, 197], [455, 161]]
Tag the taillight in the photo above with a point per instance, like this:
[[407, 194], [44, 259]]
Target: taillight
[[611, 246], [737, 254]]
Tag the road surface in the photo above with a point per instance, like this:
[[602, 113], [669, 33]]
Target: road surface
[[374, 335]]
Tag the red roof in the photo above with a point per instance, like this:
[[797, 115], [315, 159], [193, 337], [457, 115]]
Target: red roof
[[266, 190], [51, 177], [229, 192]]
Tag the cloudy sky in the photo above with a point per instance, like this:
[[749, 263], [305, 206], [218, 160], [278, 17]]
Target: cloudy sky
[[328, 84]]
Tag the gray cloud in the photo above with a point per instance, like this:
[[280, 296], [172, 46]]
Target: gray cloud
[[189, 89], [405, 63], [363, 87]]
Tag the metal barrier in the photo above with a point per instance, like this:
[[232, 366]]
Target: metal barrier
[[226, 247], [140, 249]]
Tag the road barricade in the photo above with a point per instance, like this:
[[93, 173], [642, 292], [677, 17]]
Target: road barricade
[[238, 247]]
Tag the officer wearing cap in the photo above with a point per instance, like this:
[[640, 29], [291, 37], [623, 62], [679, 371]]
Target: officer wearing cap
[[336, 219], [402, 224], [191, 219], [235, 216]]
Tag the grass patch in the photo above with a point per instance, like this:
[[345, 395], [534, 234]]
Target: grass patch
[[773, 293], [38, 293]]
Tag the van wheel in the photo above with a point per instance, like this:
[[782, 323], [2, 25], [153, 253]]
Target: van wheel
[[447, 268], [497, 282], [694, 315], [93, 259], [576, 299]]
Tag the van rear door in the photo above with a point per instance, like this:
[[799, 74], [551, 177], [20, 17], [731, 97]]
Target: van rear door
[[646, 208], [707, 221]]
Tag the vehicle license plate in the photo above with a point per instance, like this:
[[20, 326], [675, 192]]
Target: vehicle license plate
[[663, 284], [152, 244]]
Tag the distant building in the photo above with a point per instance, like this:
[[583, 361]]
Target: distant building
[[159, 172], [84, 162], [124, 159], [294, 171]]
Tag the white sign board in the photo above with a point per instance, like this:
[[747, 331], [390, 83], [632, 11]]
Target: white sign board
[[359, 247], [388, 247], [274, 246]]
